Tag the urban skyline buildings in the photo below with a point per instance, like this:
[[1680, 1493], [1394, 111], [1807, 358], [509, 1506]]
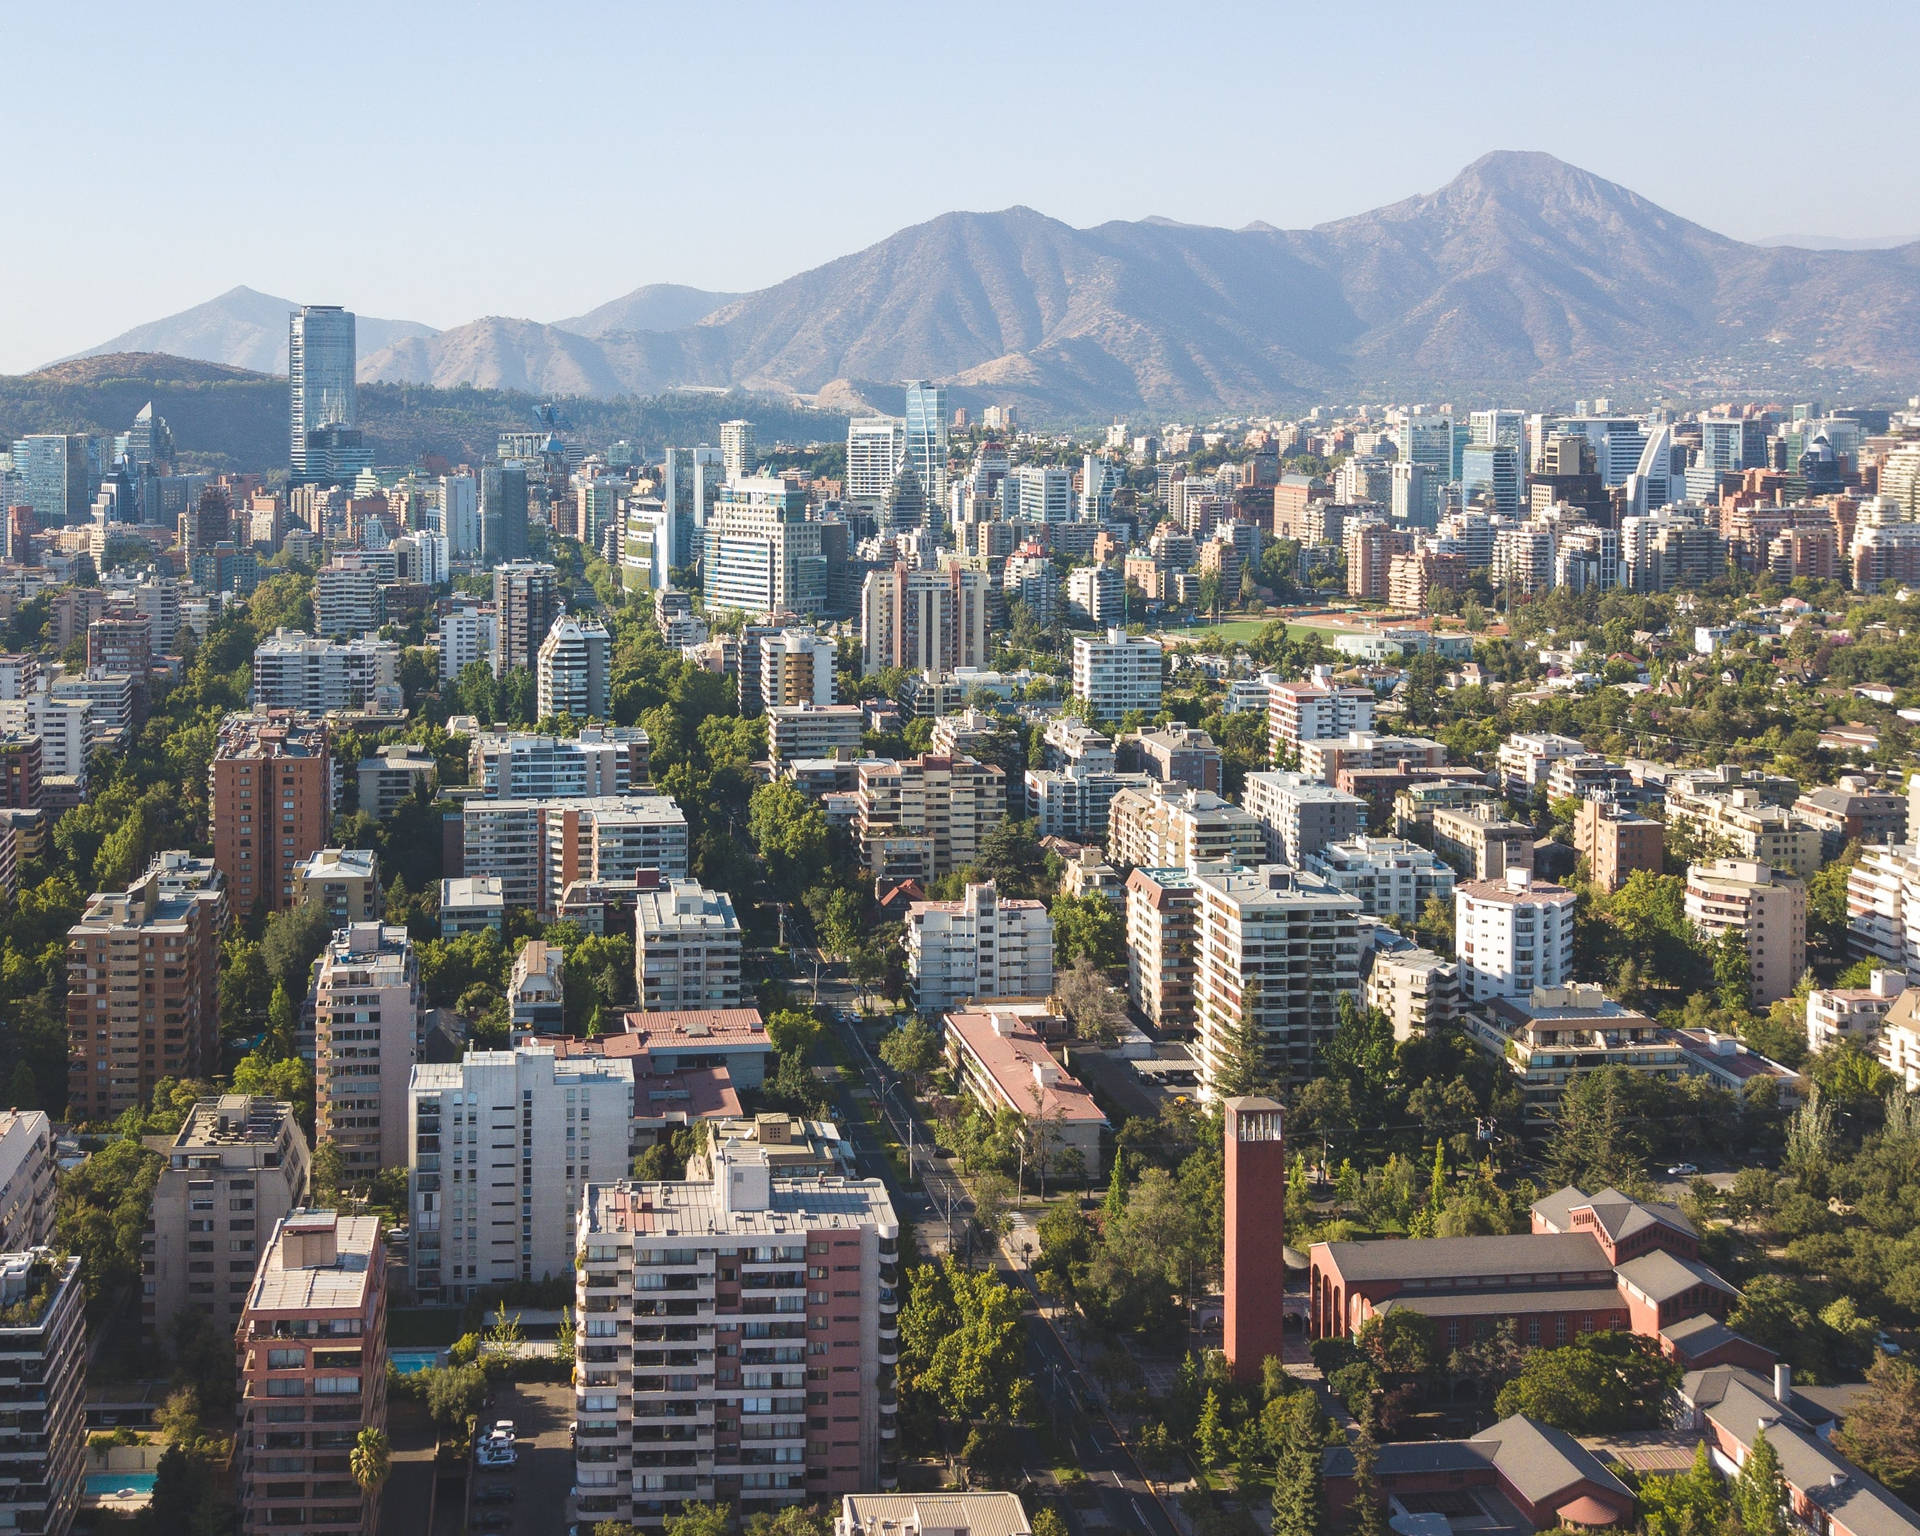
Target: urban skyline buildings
[[322, 390]]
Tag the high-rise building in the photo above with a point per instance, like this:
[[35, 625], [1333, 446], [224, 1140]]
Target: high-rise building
[[346, 595], [26, 1179], [236, 1167], [345, 882], [739, 453], [1511, 935], [984, 945], [1172, 826], [1096, 595], [922, 817], [271, 804], [1766, 907], [1492, 470], [1117, 673], [1427, 439], [469, 632], [143, 992], [43, 1380], [526, 597], [295, 670], [58, 484], [1255, 1220], [605, 760], [686, 948], [321, 363], [496, 1220], [732, 1422], [1301, 815], [366, 1016], [924, 621], [760, 553], [875, 445], [927, 443], [503, 513], [1040, 493], [1163, 910], [796, 667], [1316, 710], [460, 515], [311, 1350], [574, 671]]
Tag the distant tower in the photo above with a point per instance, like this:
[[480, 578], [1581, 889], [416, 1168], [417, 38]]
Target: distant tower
[[927, 443], [738, 451], [1256, 1178], [320, 375]]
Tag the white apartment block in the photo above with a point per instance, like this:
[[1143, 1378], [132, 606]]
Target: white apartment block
[[1766, 907], [797, 731], [346, 597], [925, 816], [1388, 876], [1118, 674], [1277, 948], [1511, 935], [467, 635], [1415, 988], [529, 844], [509, 765], [1836, 1015], [111, 696], [1719, 806], [686, 948], [65, 729], [1525, 761], [1169, 826], [1095, 595], [366, 1027], [481, 1218], [736, 1342], [978, 947], [1315, 710], [796, 667], [1301, 815], [573, 673], [294, 670], [26, 1179], [537, 988]]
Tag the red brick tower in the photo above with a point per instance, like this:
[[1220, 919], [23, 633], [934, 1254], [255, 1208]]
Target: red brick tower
[[1256, 1170]]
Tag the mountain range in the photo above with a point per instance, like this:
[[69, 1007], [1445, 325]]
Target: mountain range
[[1522, 277]]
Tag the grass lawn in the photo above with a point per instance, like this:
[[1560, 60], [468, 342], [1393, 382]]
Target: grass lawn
[[1233, 631]]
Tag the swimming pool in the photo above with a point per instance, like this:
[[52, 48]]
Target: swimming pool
[[119, 1482], [409, 1361]]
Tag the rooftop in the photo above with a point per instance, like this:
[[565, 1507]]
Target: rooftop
[[797, 1205], [1461, 1258], [1014, 1055], [232, 1119], [934, 1514], [472, 891], [340, 1284]]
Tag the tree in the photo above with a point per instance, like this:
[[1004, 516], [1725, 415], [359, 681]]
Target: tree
[[455, 1394], [1047, 1522], [912, 1050], [1599, 1139], [1603, 1383], [327, 1172], [1760, 1491], [992, 1194], [699, 1520], [370, 1460], [1297, 1431], [1245, 1069], [1115, 1205], [1691, 1504], [1096, 1011], [1088, 928], [1882, 1433], [1210, 1434], [1369, 1513], [789, 828], [292, 942]]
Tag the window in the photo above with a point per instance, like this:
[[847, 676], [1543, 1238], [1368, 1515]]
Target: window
[[286, 1359]]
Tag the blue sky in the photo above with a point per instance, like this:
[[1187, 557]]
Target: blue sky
[[439, 162]]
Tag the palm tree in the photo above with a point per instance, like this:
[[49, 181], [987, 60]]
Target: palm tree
[[371, 1460]]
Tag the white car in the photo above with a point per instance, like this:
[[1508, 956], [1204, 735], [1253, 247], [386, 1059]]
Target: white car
[[1682, 1171], [504, 1427], [495, 1453]]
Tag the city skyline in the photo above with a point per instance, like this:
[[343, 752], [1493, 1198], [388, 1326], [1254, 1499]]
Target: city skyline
[[1072, 152]]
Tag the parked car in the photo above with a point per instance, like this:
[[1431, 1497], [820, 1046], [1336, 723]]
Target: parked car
[[1886, 1343], [504, 1427], [1682, 1171]]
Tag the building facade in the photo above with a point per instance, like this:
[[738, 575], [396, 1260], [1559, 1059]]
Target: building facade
[[366, 1002], [271, 804]]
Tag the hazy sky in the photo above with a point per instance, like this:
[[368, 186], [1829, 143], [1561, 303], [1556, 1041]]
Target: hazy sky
[[439, 162]]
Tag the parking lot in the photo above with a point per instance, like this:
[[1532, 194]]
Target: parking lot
[[543, 1475]]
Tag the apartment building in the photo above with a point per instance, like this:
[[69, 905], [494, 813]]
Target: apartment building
[[366, 1002], [237, 1166], [43, 1380], [1275, 950], [1836, 1015], [344, 881], [1615, 842], [736, 1342], [469, 903], [1076, 802], [346, 597], [930, 1514], [1511, 935], [519, 765], [1003, 1064], [143, 993], [1525, 760], [311, 1351], [270, 804], [1117, 674], [1548, 1037], [26, 1179], [924, 621], [22, 769], [1415, 988], [796, 667], [1301, 815], [1766, 907], [978, 947], [1334, 757], [796, 731], [481, 1219], [1415, 803], [393, 775], [295, 670], [1389, 877], [1168, 826], [1853, 810], [1371, 549], [529, 845], [1163, 918], [1481, 843], [65, 727], [573, 670], [526, 600], [686, 948], [469, 632], [1733, 813], [537, 988], [925, 816], [1315, 710], [1172, 754]]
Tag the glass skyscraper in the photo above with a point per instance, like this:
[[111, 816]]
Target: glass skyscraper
[[321, 361], [927, 443], [503, 514]]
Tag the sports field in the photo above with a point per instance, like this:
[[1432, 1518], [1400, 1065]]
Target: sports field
[[1233, 631]]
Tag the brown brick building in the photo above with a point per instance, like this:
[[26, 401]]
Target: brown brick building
[[271, 804]]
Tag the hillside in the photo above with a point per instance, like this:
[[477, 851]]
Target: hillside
[[244, 329]]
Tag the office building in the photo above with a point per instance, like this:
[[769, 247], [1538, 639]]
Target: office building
[[573, 673], [1479, 842], [1039, 493], [925, 816], [1301, 815], [1511, 935], [55, 479], [926, 432], [1169, 826], [293, 670], [1389, 877], [271, 804], [312, 1356], [469, 903], [1163, 910], [503, 514], [739, 453], [1415, 988], [366, 1026], [481, 1220], [1275, 950], [736, 1427], [1492, 472], [686, 948], [1766, 907], [321, 363], [26, 1179], [925, 621], [143, 993], [526, 598], [237, 1166], [982, 946], [43, 1380], [1117, 674], [796, 667], [344, 882], [760, 554], [1002, 1063], [1615, 842]]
